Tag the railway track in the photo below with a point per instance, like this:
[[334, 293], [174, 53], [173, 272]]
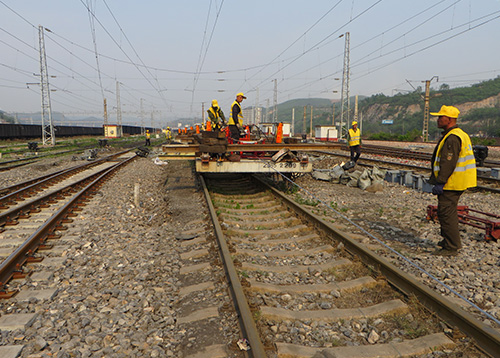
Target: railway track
[[408, 154], [305, 288], [31, 218], [35, 209], [487, 183]]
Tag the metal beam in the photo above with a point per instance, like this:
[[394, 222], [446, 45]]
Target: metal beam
[[299, 147]]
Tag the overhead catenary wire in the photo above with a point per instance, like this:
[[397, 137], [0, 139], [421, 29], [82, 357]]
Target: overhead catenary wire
[[201, 60], [94, 40], [119, 46], [135, 52], [291, 82]]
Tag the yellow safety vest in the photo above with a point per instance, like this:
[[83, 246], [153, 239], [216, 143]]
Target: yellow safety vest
[[354, 137], [464, 176], [240, 115], [215, 113]]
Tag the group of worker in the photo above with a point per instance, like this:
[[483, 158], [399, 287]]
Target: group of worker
[[235, 121], [453, 163]]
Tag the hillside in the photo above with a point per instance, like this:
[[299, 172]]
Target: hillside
[[5, 118], [479, 107]]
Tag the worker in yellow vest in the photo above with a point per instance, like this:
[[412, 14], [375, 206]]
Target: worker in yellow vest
[[355, 141], [168, 134], [148, 138], [453, 172], [216, 116], [235, 122]]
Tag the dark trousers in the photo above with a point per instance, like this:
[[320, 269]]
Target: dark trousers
[[235, 132], [448, 218], [355, 149], [148, 142]]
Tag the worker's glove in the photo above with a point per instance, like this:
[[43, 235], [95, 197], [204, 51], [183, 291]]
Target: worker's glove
[[437, 189]]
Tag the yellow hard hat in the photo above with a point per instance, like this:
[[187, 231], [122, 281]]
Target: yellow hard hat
[[354, 122], [448, 111], [215, 103], [241, 94], [168, 127]]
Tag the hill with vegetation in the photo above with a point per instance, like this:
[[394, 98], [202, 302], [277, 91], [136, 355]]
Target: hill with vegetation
[[479, 105], [5, 118]]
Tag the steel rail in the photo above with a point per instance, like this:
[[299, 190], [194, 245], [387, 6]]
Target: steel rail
[[486, 337], [191, 148], [25, 209], [417, 167], [247, 323], [20, 188], [14, 262]]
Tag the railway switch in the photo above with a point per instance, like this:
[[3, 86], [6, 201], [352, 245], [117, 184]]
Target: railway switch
[[484, 221]]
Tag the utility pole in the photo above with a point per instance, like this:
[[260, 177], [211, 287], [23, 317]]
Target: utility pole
[[267, 111], [118, 109], [345, 104], [47, 125], [356, 108], [304, 121], [256, 116], [425, 127], [293, 123], [311, 123], [275, 110], [203, 113], [105, 112], [143, 129]]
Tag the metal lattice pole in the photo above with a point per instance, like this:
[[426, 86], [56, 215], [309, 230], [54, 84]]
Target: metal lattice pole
[[47, 125], [275, 110], [425, 126], [344, 101], [118, 110], [143, 128]]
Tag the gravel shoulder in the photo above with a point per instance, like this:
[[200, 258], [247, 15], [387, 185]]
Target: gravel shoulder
[[396, 215]]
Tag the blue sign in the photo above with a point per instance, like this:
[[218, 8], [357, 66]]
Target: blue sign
[[387, 121]]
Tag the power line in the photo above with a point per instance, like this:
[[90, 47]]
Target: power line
[[200, 65], [117, 44], [94, 40], [320, 42], [133, 49], [296, 40]]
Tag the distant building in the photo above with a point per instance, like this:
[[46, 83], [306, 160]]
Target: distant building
[[252, 115]]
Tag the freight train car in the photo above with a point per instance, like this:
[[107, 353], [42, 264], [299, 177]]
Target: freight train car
[[27, 131]]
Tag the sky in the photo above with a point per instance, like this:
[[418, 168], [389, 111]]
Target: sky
[[170, 59]]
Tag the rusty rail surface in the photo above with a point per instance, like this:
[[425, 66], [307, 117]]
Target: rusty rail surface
[[13, 264], [487, 338], [247, 323], [8, 192]]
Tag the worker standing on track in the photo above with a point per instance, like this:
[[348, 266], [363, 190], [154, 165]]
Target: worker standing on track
[[235, 122], [148, 138], [168, 135], [355, 141], [216, 116], [453, 171]]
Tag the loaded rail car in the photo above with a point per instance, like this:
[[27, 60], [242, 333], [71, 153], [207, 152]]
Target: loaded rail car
[[26, 131]]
